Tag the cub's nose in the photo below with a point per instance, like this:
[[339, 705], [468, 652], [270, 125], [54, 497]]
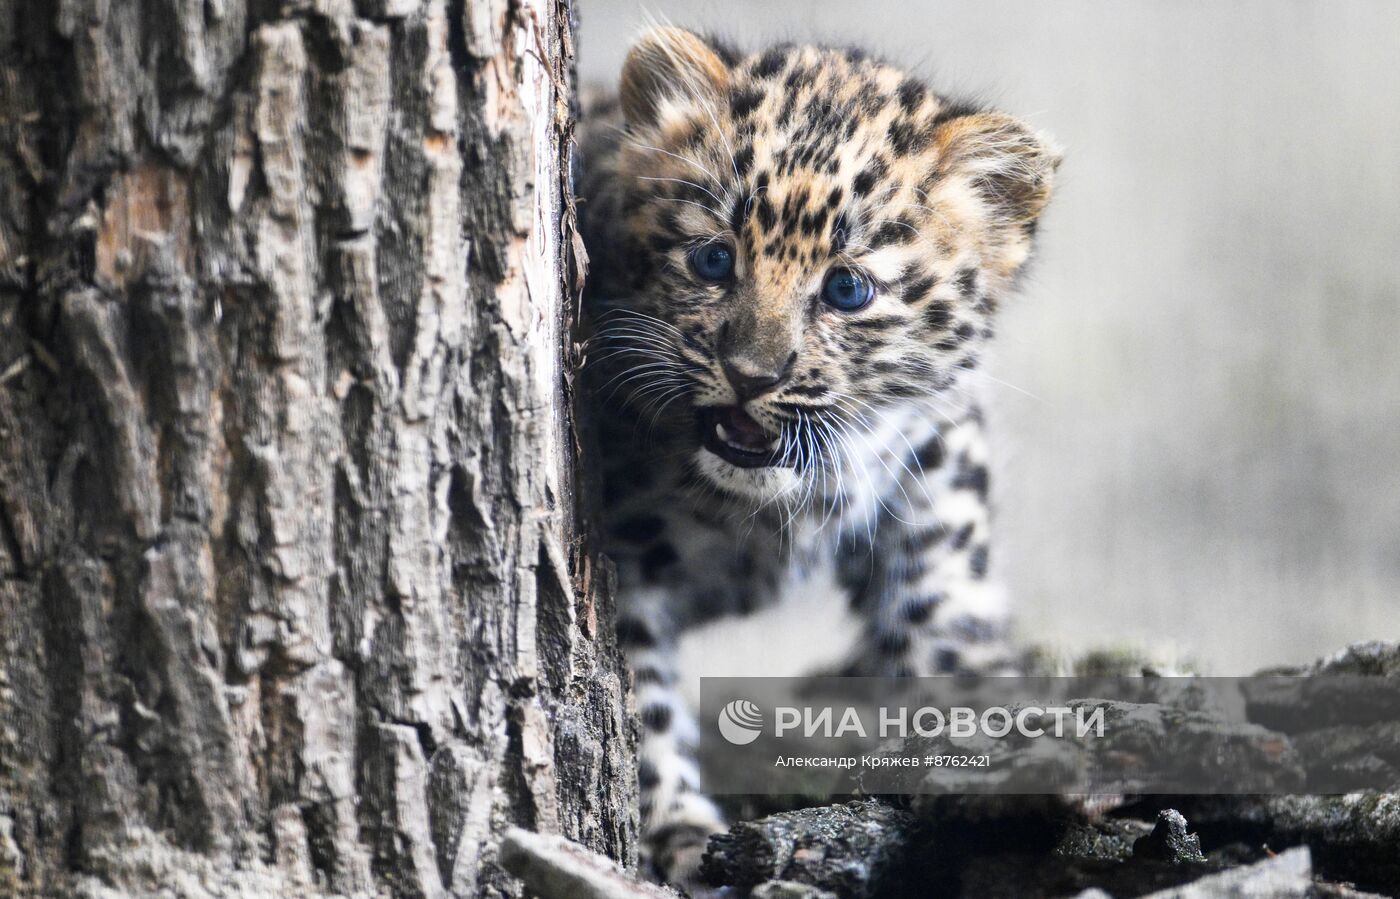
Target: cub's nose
[[751, 380]]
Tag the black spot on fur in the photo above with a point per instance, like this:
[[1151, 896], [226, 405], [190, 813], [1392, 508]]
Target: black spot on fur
[[692, 134], [920, 609], [892, 232], [906, 568], [839, 233], [964, 534], [647, 674], [871, 175], [930, 455], [924, 539], [915, 291], [972, 629], [614, 491], [966, 282], [657, 558], [892, 643], [767, 215], [878, 323], [792, 208], [647, 775], [808, 390], [743, 160], [742, 102], [911, 94], [789, 104], [656, 717], [813, 223], [977, 563], [871, 103], [726, 51], [692, 337], [738, 215], [939, 315], [771, 62], [956, 339], [904, 137], [669, 222], [972, 478], [954, 109], [634, 632], [639, 528]]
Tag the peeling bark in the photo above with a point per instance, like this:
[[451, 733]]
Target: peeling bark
[[294, 598]]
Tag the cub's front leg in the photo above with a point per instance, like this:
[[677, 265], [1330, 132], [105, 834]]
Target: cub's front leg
[[922, 585], [677, 819]]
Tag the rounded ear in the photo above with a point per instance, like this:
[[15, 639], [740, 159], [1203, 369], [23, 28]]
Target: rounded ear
[[1009, 163], [668, 62]]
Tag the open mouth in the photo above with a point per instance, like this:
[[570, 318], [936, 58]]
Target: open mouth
[[731, 433]]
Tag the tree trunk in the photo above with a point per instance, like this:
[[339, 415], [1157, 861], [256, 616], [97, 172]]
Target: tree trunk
[[294, 599]]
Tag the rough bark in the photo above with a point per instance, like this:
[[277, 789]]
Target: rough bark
[[293, 597]]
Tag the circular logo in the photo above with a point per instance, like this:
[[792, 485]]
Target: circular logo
[[740, 722]]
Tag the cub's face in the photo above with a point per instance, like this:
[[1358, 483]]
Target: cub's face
[[814, 239]]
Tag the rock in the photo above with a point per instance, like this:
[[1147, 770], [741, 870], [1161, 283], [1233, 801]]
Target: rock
[[1323, 889], [1371, 659], [554, 867], [1146, 747], [1095, 855], [1284, 876], [952, 840], [1107, 839], [1342, 713], [1353, 837], [1351, 757], [787, 889], [1358, 686], [1169, 841], [1297, 705], [855, 850]]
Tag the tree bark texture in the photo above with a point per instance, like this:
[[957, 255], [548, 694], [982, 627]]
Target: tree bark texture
[[294, 599]]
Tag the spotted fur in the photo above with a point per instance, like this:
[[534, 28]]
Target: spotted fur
[[801, 159]]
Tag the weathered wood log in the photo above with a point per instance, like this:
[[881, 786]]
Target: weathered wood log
[[556, 868], [859, 849], [294, 599]]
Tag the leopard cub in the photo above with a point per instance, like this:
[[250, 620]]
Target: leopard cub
[[797, 257]]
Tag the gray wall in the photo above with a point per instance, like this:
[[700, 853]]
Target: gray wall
[[1210, 461]]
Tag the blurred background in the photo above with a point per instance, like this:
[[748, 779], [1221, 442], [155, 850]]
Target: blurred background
[[1205, 459]]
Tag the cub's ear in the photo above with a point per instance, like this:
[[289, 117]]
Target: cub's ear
[[1008, 163], [668, 62]]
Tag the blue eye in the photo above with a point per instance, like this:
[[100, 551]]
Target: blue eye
[[713, 261], [847, 290]]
